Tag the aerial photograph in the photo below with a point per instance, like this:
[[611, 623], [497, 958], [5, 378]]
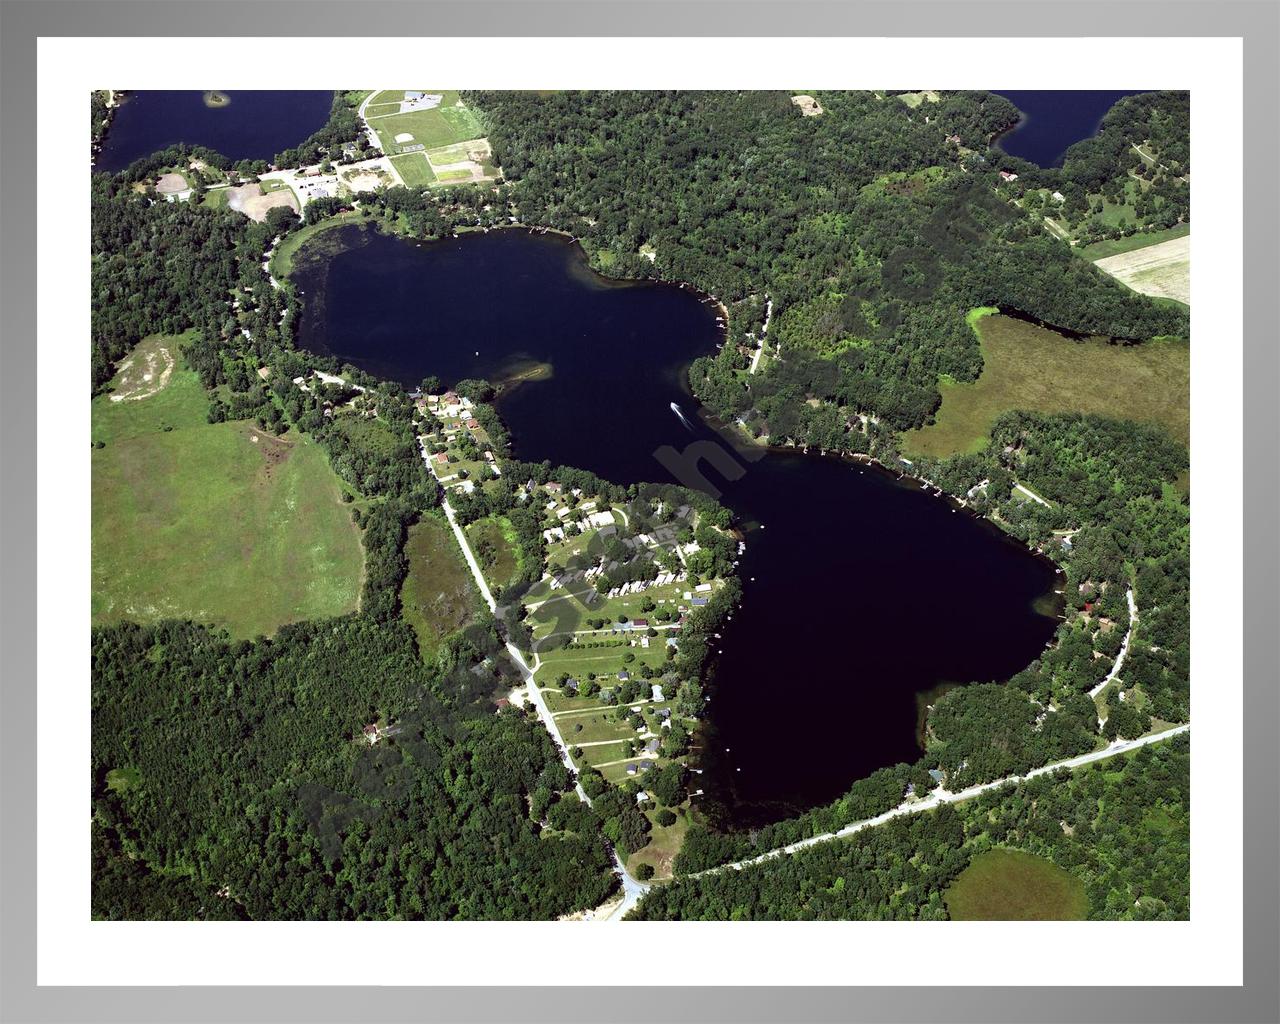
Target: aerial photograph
[[640, 505]]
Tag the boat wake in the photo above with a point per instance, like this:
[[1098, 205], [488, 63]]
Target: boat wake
[[680, 415]]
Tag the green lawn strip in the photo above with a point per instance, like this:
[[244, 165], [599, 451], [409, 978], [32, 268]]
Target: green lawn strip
[[198, 520], [557, 701], [215, 198], [1116, 246], [1028, 367], [596, 727], [438, 595], [1013, 885], [601, 660]]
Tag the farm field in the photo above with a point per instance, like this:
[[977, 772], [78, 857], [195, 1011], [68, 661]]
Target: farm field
[[1162, 270], [1030, 367], [438, 595], [1012, 885], [445, 124], [221, 523]]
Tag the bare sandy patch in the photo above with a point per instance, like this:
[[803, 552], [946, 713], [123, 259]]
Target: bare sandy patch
[[809, 107], [143, 374], [171, 184], [249, 200], [1163, 269]]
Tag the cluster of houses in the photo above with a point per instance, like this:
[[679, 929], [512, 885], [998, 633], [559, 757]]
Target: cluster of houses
[[455, 413], [591, 521]]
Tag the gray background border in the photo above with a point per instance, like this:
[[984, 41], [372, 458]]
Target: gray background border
[[22, 22]]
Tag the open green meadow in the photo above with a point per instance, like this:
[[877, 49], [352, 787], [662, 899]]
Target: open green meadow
[[217, 522], [1013, 885], [443, 125], [1029, 367], [438, 595]]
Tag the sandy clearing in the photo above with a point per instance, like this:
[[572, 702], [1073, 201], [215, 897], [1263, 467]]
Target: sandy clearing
[[250, 200], [172, 183], [1163, 269], [809, 107], [152, 377]]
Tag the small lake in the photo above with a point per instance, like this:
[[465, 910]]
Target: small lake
[[251, 126], [1054, 120], [860, 592]]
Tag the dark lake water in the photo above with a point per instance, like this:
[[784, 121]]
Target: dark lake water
[[860, 591], [1054, 120], [253, 126]]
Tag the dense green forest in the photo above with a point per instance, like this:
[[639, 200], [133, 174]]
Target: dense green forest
[[1123, 828], [243, 770]]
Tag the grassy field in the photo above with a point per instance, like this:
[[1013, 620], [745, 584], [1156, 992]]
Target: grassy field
[[1012, 885], [493, 540], [438, 595], [444, 125], [1029, 367], [1162, 270], [1115, 246], [414, 168], [220, 523]]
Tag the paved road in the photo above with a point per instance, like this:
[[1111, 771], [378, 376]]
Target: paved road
[[940, 797]]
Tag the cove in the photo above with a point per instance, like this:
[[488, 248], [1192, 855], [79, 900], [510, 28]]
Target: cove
[[1055, 119], [251, 126], [860, 591]]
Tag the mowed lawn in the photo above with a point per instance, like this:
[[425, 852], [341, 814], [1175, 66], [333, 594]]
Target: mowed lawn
[[438, 596], [1031, 368], [220, 523], [414, 169], [1013, 885]]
